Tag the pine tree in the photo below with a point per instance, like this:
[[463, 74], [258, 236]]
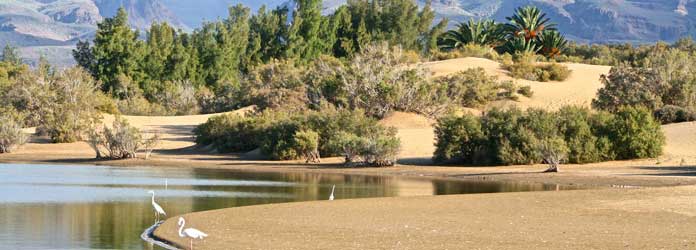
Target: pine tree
[[117, 52], [308, 21], [11, 55], [84, 56]]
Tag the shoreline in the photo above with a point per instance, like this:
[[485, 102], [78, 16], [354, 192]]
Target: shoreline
[[638, 173]]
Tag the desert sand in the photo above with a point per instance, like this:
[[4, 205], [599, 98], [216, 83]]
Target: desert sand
[[646, 218]]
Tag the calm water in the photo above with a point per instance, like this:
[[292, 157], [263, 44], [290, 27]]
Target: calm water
[[96, 207]]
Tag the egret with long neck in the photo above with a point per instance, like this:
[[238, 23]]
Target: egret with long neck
[[191, 233], [331, 197], [157, 207]]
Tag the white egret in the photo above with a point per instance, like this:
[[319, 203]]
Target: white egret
[[158, 209], [331, 197], [191, 233]]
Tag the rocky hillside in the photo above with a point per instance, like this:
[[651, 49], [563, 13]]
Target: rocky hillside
[[52, 27]]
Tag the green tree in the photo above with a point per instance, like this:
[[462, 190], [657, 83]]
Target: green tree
[[117, 51], [307, 24], [11, 55]]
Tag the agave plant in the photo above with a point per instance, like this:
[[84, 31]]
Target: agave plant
[[483, 32], [552, 43], [528, 22]]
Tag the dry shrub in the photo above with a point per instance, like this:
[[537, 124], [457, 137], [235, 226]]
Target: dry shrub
[[11, 135]]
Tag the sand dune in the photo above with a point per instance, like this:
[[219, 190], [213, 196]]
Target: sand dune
[[579, 89]]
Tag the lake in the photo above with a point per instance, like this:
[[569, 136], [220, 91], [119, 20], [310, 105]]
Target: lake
[[100, 207]]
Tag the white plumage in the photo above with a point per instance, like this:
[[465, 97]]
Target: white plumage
[[331, 197], [157, 207], [191, 233]]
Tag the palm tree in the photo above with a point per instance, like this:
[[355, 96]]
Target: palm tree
[[482, 32], [521, 45], [528, 22], [552, 43]]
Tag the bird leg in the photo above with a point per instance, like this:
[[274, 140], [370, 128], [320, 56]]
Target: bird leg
[[191, 243]]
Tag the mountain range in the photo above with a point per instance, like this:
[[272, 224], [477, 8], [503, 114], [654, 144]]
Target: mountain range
[[52, 27]]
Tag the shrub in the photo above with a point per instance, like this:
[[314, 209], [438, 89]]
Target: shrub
[[350, 146], [379, 80], [307, 144], [474, 88], [11, 135], [138, 105], [525, 91], [177, 98], [459, 139], [469, 50], [636, 134], [72, 106], [674, 114], [627, 86], [573, 134], [276, 85], [574, 125], [557, 72], [122, 140], [283, 136], [525, 66], [229, 133], [382, 150]]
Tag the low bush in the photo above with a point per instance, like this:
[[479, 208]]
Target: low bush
[[516, 137], [307, 134], [120, 141], [674, 114], [460, 140], [11, 135], [475, 88], [525, 66], [636, 134], [229, 133], [469, 50]]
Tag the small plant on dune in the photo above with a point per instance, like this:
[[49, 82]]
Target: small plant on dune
[[11, 135], [525, 66]]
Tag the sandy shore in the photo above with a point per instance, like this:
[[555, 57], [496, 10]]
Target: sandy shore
[[651, 218]]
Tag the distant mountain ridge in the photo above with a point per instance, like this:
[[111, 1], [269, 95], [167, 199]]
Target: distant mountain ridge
[[51, 27]]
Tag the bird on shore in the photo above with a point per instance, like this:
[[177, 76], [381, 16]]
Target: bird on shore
[[331, 197], [191, 233], [158, 209]]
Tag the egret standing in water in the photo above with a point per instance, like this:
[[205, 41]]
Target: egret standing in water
[[158, 209], [331, 197], [191, 233]]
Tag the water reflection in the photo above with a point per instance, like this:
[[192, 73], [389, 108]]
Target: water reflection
[[96, 207]]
